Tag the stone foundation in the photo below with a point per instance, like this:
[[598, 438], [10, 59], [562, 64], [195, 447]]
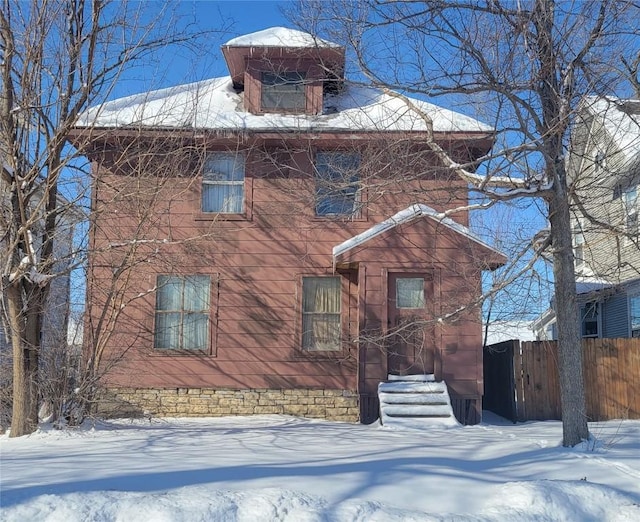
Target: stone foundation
[[338, 405]]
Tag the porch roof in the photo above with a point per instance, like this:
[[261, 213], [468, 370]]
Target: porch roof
[[409, 214]]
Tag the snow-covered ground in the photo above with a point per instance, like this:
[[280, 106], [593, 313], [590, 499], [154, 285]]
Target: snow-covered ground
[[283, 468]]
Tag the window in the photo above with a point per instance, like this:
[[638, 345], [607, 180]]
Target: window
[[223, 183], [578, 243], [631, 204], [321, 314], [589, 318], [283, 91], [599, 161], [182, 313], [634, 312], [410, 292], [337, 183]]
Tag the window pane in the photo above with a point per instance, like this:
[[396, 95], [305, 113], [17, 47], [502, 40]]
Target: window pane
[[223, 198], [196, 293], [169, 294], [410, 292], [167, 335], [321, 294], [195, 332], [589, 314], [224, 167], [321, 332]]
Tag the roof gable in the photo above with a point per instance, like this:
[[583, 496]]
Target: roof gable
[[409, 215]]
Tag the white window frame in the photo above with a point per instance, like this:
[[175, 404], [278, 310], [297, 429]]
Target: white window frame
[[214, 176], [337, 183]]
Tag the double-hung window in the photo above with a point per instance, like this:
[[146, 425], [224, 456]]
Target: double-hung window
[[223, 183], [321, 314], [182, 313], [337, 183], [283, 91]]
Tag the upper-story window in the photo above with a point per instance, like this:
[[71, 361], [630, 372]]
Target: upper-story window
[[578, 243], [223, 183], [283, 91], [337, 183], [599, 161], [631, 210]]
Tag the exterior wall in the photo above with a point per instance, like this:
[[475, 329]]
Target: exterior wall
[[256, 261], [336, 405], [607, 255]]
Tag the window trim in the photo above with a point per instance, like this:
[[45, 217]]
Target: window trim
[[204, 182], [210, 350]]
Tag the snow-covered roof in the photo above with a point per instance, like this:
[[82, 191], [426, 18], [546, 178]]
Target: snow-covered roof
[[407, 215], [587, 284], [621, 120], [214, 104], [279, 37]]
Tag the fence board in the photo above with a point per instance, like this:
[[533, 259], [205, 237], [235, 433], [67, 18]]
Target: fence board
[[611, 374]]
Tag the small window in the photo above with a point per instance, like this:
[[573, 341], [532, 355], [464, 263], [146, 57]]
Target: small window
[[321, 314], [589, 314], [337, 183], [631, 204], [578, 243], [634, 312], [223, 183], [599, 161], [182, 313], [284, 91], [410, 292]]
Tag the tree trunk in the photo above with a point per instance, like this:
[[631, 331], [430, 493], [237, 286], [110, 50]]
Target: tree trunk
[[24, 338], [572, 396]]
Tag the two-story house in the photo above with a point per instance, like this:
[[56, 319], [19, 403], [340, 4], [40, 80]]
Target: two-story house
[[291, 250], [604, 165]]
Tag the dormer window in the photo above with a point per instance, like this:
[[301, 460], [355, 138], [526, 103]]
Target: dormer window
[[283, 92]]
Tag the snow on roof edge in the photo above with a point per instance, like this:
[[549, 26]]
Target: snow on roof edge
[[407, 215], [278, 36]]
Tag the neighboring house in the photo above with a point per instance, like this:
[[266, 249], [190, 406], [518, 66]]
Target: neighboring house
[[605, 166], [295, 253]]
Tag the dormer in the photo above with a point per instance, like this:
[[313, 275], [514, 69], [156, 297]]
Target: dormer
[[284, 71]]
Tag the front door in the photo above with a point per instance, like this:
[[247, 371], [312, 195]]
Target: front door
[[411, 346]]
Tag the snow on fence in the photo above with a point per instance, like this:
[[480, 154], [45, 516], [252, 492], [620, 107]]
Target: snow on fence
[[521, 379]]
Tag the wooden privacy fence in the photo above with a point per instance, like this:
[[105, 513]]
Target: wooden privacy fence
[[521, 379]]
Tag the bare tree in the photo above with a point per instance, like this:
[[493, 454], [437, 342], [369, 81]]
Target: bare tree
[[58, 58], [529, 65]]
